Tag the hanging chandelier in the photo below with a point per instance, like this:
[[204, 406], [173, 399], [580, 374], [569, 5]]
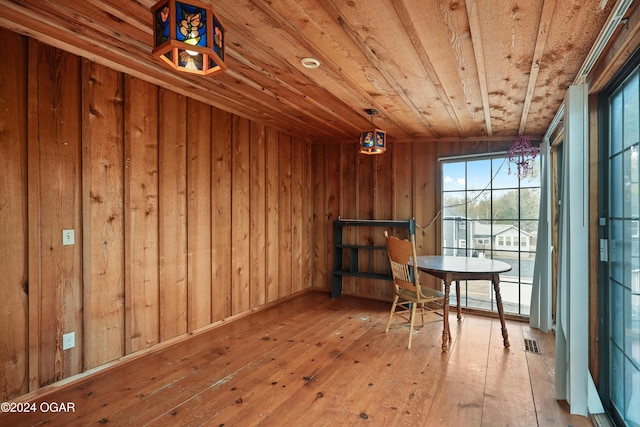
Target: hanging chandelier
[[523, 155], [188, 37], [373, 141]]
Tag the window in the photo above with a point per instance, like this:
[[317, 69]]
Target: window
[[496, 216]]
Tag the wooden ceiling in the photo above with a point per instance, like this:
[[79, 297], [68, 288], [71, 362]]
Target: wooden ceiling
[[435, 69]]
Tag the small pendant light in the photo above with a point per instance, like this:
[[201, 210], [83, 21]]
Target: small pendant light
[[373, 141]]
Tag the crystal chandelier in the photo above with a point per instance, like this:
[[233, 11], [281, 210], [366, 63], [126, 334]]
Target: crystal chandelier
[[523, 155]]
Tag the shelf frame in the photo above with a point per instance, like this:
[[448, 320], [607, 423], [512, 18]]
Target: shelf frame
[[354, 250]]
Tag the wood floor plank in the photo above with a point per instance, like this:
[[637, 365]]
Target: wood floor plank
[[460, 395], [325, 387], [349, 389], [368, 373], [238, 392], [414, 394], [549, 411], [397, 371], [296, 372], [233, 353], [506, 401], [317, 361], [110, 395]]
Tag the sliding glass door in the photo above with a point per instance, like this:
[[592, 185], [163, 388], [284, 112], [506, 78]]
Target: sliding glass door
[[620, 285]]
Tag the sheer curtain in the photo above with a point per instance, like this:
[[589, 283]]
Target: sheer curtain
[[540, 315]]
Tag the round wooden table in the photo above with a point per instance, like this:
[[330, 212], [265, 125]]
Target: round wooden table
[[454, 268]]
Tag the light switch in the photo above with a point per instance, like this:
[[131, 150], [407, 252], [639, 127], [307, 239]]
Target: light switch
[[68, 237]]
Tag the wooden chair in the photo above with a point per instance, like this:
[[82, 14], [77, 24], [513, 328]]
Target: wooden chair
[[408, 294]]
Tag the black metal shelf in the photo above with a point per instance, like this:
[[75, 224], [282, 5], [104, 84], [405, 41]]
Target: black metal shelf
[[354, 250], [361, 274], [376, 248]]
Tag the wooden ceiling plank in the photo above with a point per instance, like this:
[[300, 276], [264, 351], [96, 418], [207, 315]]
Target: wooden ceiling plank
[[566, 52], [299, 121], [404, 68], [137, 10], [338, 106], [302, 120], [330, 6], [409, 28], [296, 93], [318, 98], [536, 63], [345, 66], [327, 62], [59, 35], [130, 14], [89, 17], [478, 49], [50, 33], [278, 75], [509, 32]]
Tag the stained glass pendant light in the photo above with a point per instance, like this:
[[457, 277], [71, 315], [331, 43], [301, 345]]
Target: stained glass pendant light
[[373, 141], [188, 36]]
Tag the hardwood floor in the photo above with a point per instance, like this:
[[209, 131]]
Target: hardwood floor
[[323, 362]]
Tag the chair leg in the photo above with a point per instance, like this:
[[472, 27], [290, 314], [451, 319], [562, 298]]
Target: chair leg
[[393, 309], [413, 319]]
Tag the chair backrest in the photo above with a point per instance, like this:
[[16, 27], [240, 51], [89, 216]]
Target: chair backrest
[[401, 253]]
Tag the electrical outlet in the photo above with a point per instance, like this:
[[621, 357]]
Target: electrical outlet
[[68, 237], [68, 340]]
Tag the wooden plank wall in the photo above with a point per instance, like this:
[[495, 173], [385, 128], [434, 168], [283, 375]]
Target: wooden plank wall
[[403, 182], [184, 215], [14, 213], [54, 192], [103, 220]]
